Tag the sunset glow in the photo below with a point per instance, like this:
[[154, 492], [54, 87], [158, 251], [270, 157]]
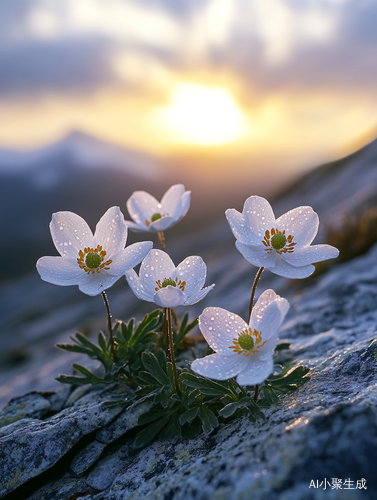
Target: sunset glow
[[202, 115]]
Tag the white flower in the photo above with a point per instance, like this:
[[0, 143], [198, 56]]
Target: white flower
[[94, 263], [282, 245], [159, 281], [150, 215], [242, 350]]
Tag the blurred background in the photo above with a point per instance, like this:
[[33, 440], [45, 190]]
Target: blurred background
[[99, 98]]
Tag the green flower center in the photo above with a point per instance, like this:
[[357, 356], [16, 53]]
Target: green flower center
[[93, 260], [156, 217], [246, 341], [278, 241], [168, 281]]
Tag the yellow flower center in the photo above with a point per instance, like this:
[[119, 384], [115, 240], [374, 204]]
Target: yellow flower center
[[169, 281], [248, 342], [278, 241], [93, 260]]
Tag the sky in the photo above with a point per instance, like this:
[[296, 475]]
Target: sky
[[291, 82]]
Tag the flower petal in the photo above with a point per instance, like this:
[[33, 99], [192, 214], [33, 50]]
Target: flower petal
[[136, 286], [241, 229], [219, 367], [310, 255], [70, 233], [302, 223], [98, 282], [171, 203], [256, 255], [259, 214], [59, 271], [129, 257], [137, 227], [268, 313], [193, 271], [162, 224], [141, 206], [157, 265], [199, 295], [282, 268], [111, 232], [220, 327], [186, 198], [169, 296], [256, 371]]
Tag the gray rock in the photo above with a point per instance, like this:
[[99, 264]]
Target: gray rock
[[32, 405], [19, 424], [87, 457]]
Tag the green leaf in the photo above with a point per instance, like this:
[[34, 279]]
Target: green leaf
[[172, 428], [146, 435], [291, 380], [72, 379], [255, 412], [75, 348], [151, 415], [231, 408], [152, 365], [206, 386], [169, 371], [208, 419], [282, 346], [149, 323], [189, 415], [164, 399], [102, 341], [147, 378], [84, 341], [85, 371]]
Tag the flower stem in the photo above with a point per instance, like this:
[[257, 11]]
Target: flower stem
[[112, 341], [256, 393], [257, 276], [172, 355], [161, 237], [165, 333]]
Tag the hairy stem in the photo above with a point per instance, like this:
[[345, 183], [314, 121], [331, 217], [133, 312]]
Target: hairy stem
[[172, 355], [257, 276], [161, 237], [112, 341]]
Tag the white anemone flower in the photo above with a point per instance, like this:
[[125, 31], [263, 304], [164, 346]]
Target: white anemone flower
[[94, 263], [159, 281], [151, 215], [281, 245], [242, 350]]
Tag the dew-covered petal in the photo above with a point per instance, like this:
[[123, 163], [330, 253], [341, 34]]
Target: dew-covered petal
[[129, 257], [256, 255], [171, 203], [111, 232], [302, 223], [186, 198], [193, 272], [70, 233], [267, 350], [197, 296], [162, 224], [240, 228], [96, 283], [256, 371], [59, 271], [311, 254], [282, 268], [136, 286], [169, 296], [141, 206], [259, 215], [268, 313], [141, 227], [157, 265], [218, 367], [220, 327]]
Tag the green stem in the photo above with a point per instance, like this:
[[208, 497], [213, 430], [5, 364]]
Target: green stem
[[257, 276], [256, 393], [172, 355], [161, 237], [112, 341], [165, 333]]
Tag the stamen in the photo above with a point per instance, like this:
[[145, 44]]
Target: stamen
[[278, 241], [169, 281], [92, 260], [248, 342]]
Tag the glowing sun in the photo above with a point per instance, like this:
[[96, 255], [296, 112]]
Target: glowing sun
[[202, 115]]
